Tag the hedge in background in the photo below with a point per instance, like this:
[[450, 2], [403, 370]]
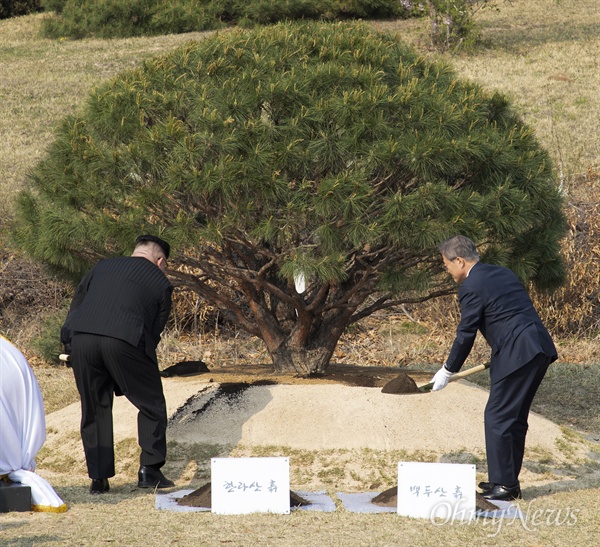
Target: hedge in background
[[14, 8], [124, 18]]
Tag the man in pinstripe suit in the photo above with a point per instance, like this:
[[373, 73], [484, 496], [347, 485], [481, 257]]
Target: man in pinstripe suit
[[113, 327]]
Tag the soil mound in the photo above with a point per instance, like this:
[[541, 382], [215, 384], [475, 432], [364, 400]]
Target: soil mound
[[202, 498], [389, 498]]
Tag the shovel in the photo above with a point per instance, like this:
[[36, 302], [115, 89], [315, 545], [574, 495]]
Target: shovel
[[405, 384], [457, 376]]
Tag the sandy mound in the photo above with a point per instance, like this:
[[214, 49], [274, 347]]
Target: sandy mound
[[320, 417], [311, 416]]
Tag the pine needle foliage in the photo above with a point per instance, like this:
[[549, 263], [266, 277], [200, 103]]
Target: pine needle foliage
[[327, 155]]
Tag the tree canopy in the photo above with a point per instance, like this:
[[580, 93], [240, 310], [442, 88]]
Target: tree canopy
[[304, 174]]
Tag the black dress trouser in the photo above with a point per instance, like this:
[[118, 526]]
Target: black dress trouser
[[103, 365], [506, 422]]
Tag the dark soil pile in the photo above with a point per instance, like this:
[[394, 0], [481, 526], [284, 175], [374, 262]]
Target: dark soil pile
[[198, 498], [202, 498], [185, 368], [401, 384], [389, 498]]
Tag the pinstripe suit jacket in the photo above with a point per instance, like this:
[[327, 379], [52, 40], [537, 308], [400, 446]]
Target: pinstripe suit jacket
[[128, 298], [493, 301]]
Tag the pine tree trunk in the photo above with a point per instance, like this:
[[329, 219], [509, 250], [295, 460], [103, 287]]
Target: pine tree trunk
[[308, 348], [302, 361]]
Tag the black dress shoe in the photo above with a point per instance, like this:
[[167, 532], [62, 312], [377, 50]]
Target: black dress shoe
[[99, 486], [502, 493], [485, 485], [152, 478]]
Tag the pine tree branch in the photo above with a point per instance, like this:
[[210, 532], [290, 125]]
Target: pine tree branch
[[230, 310], [385, 302]]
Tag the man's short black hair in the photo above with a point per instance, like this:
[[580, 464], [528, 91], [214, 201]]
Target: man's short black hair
[[160, 242]]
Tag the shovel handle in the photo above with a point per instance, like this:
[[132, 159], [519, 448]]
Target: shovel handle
[[458, 376]]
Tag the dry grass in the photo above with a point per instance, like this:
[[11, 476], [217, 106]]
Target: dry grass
[[126, 516], [44, 80], [543, 53], [298, 529]]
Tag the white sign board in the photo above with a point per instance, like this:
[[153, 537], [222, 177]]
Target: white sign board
[[250, 485], [436, 490]]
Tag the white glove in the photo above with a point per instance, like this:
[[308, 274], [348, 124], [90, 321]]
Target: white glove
[[441, 379]]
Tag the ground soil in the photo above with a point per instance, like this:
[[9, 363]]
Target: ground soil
[[397, 380]]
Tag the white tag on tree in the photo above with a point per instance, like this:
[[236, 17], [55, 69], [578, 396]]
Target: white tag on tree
[[436, 490], [250, 485], [300, 282]]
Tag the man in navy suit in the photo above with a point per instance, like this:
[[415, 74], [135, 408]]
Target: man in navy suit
[[493, 301], [113, 327]]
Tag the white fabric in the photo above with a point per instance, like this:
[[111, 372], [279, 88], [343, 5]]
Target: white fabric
[[362, 502], [22, 426]]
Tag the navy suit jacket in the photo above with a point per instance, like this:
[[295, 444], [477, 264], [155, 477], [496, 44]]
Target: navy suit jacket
[[128, 298], [493, 301]]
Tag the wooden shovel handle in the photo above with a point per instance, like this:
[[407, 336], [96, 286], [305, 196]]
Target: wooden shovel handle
[[468, 372], [458, 375]]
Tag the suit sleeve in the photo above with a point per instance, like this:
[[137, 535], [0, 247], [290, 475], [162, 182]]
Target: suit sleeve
[[471, 316], [162, 316], [80, 292]]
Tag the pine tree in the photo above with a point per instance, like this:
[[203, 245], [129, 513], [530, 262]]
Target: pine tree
[[304, 174]]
